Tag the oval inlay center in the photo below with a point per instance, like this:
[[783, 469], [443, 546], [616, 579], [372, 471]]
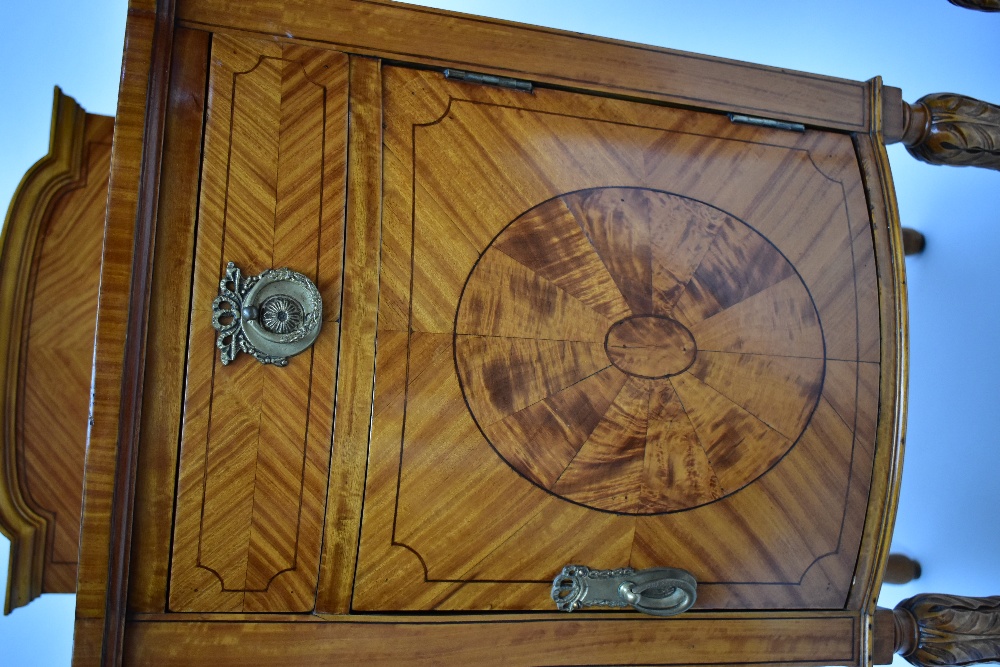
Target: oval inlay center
[[650, 346]]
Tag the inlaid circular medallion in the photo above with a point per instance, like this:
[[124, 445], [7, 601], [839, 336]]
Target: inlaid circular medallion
[[637, 352]]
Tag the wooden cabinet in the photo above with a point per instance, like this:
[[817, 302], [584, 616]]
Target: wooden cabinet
[[605, 332], [577, 317]]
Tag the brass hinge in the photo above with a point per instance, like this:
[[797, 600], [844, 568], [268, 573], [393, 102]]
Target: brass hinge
[[766, 122], [488, 80]]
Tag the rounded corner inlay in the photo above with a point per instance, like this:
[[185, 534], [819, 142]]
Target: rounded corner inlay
[[636, 351]]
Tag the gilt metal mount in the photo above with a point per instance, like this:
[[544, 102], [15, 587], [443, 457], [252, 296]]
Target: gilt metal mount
[[273, 316]]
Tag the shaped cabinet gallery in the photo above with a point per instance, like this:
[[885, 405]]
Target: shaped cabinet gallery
[[558, 325], [50, 259]]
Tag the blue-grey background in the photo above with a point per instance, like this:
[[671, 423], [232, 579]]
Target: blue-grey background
[[947, 516]]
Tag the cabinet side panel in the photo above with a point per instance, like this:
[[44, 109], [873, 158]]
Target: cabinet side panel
[[256, 438], [168, 321], [59, 350]]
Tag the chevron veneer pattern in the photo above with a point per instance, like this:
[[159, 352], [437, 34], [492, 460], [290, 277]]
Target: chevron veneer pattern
[[256, 439]]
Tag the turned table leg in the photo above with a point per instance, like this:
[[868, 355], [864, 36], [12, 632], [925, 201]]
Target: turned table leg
[[935, 629], [901, 569], [913, 241], [945, 128]]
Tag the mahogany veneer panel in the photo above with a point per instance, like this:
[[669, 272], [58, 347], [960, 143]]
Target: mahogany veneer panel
[[255, 445], [579, 329], [527, 241]]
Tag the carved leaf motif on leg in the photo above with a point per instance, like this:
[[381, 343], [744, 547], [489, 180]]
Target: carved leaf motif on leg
[[981, 5], [935, 629], [945, 128]]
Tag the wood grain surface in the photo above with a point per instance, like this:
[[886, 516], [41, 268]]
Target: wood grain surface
[[889, 284], [59, 350], [824, 638], [119, 343], [163, 392], [255, 443], [520, 230], [49, 269], [399, 32], [531, 354], [357, 353], [576, 329]]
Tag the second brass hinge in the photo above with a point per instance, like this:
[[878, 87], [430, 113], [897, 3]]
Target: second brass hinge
[[488, 80], [766, 122]]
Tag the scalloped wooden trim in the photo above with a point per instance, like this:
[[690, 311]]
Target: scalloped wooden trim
[[42, 183]]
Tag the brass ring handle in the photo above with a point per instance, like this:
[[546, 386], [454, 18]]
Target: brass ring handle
[[272, 316]]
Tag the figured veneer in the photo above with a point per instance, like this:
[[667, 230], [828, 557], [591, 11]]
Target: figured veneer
[[385, 29], [255, 444], [106, 524], [685, 355], [163, 393], [650, 346], [489, 639], [532, 354], [49, 273], [357, 355], [518, 231]]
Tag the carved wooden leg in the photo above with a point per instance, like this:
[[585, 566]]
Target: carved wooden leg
[[945, 128], [935, 629], [901, 569], [981, 5], [913, 244]]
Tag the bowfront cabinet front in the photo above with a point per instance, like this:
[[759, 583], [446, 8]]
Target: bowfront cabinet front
[[559, 324], [617, 335]]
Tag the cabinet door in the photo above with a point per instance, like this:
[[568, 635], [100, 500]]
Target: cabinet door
[[255, 443], [614, 334]]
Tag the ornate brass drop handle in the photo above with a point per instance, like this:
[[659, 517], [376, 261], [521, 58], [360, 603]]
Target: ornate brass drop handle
[[272, 316], [660, 591]]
